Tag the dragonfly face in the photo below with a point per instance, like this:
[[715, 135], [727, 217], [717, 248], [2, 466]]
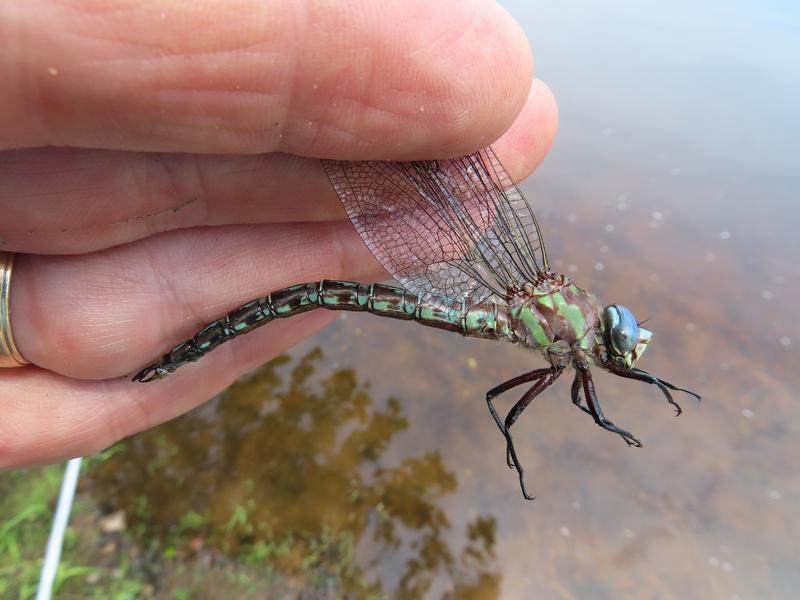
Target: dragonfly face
[[625, 341]]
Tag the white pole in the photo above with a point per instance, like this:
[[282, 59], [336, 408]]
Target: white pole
[[52, 555]]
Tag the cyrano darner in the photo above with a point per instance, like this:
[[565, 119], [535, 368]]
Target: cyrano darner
[[462, 241]]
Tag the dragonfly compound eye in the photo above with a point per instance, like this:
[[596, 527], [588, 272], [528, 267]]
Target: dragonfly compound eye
[[622, 330]]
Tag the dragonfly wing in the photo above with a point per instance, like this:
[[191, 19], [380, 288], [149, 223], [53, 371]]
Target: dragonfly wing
[[451, 231]]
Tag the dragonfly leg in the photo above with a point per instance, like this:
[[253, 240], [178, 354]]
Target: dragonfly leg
[[664, 386], [507, 385], [594, 409], [543, 383], [575, 391], [496, 391]]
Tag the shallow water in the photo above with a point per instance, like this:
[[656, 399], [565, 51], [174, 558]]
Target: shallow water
[[672, 188]]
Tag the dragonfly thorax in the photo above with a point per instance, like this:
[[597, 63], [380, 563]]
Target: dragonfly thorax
[[555, 317]]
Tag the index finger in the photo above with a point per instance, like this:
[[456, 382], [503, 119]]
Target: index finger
[[391, 80]]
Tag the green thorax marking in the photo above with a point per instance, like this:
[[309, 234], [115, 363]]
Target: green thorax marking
[[566, 313], [571, 312], [533, 321]]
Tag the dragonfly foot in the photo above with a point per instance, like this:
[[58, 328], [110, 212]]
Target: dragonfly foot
[[629, 438], [513, 461], [664, 386], [583, 381], [511, 456]]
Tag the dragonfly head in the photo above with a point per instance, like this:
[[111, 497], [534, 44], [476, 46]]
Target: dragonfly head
[[624, 340]]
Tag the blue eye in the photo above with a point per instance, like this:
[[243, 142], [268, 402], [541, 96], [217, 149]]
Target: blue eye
[[621, 327]]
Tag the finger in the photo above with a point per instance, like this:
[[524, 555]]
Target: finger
[[109, 313], [317, 78], [49, 417], [62, 200], [524, 146]]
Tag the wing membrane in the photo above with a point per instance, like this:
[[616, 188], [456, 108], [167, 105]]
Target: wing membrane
[[451, 231]]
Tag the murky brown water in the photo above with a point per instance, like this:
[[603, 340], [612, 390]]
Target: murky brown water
[[672, 188]]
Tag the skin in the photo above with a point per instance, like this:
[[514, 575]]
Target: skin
[[158, 168]]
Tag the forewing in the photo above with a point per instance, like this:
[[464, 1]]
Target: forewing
[[450, 231]]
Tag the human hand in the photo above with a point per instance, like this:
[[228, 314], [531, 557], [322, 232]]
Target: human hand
[[148, 183]]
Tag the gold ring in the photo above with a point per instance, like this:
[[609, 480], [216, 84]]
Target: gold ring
[[9, 355]]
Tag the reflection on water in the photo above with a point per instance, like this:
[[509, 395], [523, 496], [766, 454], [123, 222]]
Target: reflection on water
[[286, 470]]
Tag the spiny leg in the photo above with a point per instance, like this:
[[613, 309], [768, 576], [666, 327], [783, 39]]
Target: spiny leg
[[664, 386], [507, 385], [597, 413], [527, 398], [575, 392], [496, 391], [547, 379]]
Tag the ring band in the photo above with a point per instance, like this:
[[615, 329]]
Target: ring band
[[9, 355]]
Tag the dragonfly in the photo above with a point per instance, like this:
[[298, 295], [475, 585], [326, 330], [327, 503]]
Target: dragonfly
[[463, 243]]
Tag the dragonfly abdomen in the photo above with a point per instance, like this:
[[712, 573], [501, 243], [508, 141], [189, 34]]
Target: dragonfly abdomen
[[486, 320]]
